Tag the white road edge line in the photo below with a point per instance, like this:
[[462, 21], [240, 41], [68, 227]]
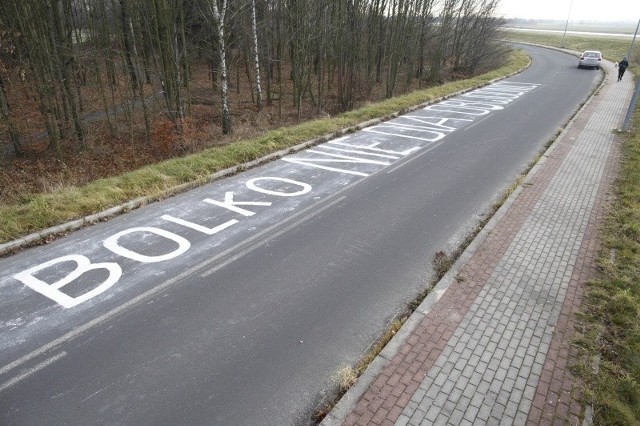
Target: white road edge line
[[285, 228], [44, 364]]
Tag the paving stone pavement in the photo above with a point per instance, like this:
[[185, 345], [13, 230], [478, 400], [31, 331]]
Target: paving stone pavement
[[491, 344]]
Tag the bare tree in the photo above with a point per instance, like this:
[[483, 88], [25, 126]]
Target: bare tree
[[318, 55], [254, 30], [7, 47], [442, 39], [129, 45], [300, 45], [217, 14]]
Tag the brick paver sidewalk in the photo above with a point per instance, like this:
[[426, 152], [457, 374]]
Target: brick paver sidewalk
[[491, 344]]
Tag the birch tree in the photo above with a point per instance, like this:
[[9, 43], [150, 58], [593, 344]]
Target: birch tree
[[256, 58], [217, 14]]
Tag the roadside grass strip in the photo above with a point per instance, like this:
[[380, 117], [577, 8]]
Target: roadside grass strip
[[610, 361]]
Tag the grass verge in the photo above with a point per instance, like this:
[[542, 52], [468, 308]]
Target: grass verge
[[35, 212], [610, 343], [346, 376]]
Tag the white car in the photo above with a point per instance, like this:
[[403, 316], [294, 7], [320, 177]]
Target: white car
[[591, 59]]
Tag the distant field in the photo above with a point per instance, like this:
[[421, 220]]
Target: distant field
[[612, 48], [573, 26]]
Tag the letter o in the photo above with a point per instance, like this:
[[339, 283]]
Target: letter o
[[251, 184], [111, 243]]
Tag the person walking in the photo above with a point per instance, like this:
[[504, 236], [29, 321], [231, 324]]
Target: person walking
[[622, 67]]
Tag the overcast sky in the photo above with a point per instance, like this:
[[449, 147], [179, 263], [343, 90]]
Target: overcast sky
[[582, 10]]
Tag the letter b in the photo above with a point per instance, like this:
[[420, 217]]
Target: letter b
[[52, 291]]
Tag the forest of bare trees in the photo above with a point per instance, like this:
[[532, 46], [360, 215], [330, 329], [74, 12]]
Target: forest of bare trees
[[69, 67]]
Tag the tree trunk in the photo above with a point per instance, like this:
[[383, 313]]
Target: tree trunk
[[5, 117], [127, 38], [254, 29], [65, 59], [218, 15]]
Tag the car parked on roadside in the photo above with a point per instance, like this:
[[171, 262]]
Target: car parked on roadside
[[591, 59]]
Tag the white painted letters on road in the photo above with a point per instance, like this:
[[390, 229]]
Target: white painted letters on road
[[374, 147], [358, 156], [84, 265], [232, 205], [200, 228], [251, 184], [435, 135], [112, 244]]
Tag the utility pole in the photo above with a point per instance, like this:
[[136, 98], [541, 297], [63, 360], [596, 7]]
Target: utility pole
[[634, 98], [567, 24], [632, 107], [632, 41]]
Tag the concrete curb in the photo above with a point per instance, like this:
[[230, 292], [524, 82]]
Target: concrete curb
[[349, 400]]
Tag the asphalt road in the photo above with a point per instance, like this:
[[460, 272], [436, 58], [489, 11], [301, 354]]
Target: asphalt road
[[236, 302]]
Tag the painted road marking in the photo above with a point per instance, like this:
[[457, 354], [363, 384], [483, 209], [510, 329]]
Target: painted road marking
[[31, 371], [237, 250], [358, 155]]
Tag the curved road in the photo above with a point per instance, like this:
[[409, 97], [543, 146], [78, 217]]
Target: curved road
[[235, 303]]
